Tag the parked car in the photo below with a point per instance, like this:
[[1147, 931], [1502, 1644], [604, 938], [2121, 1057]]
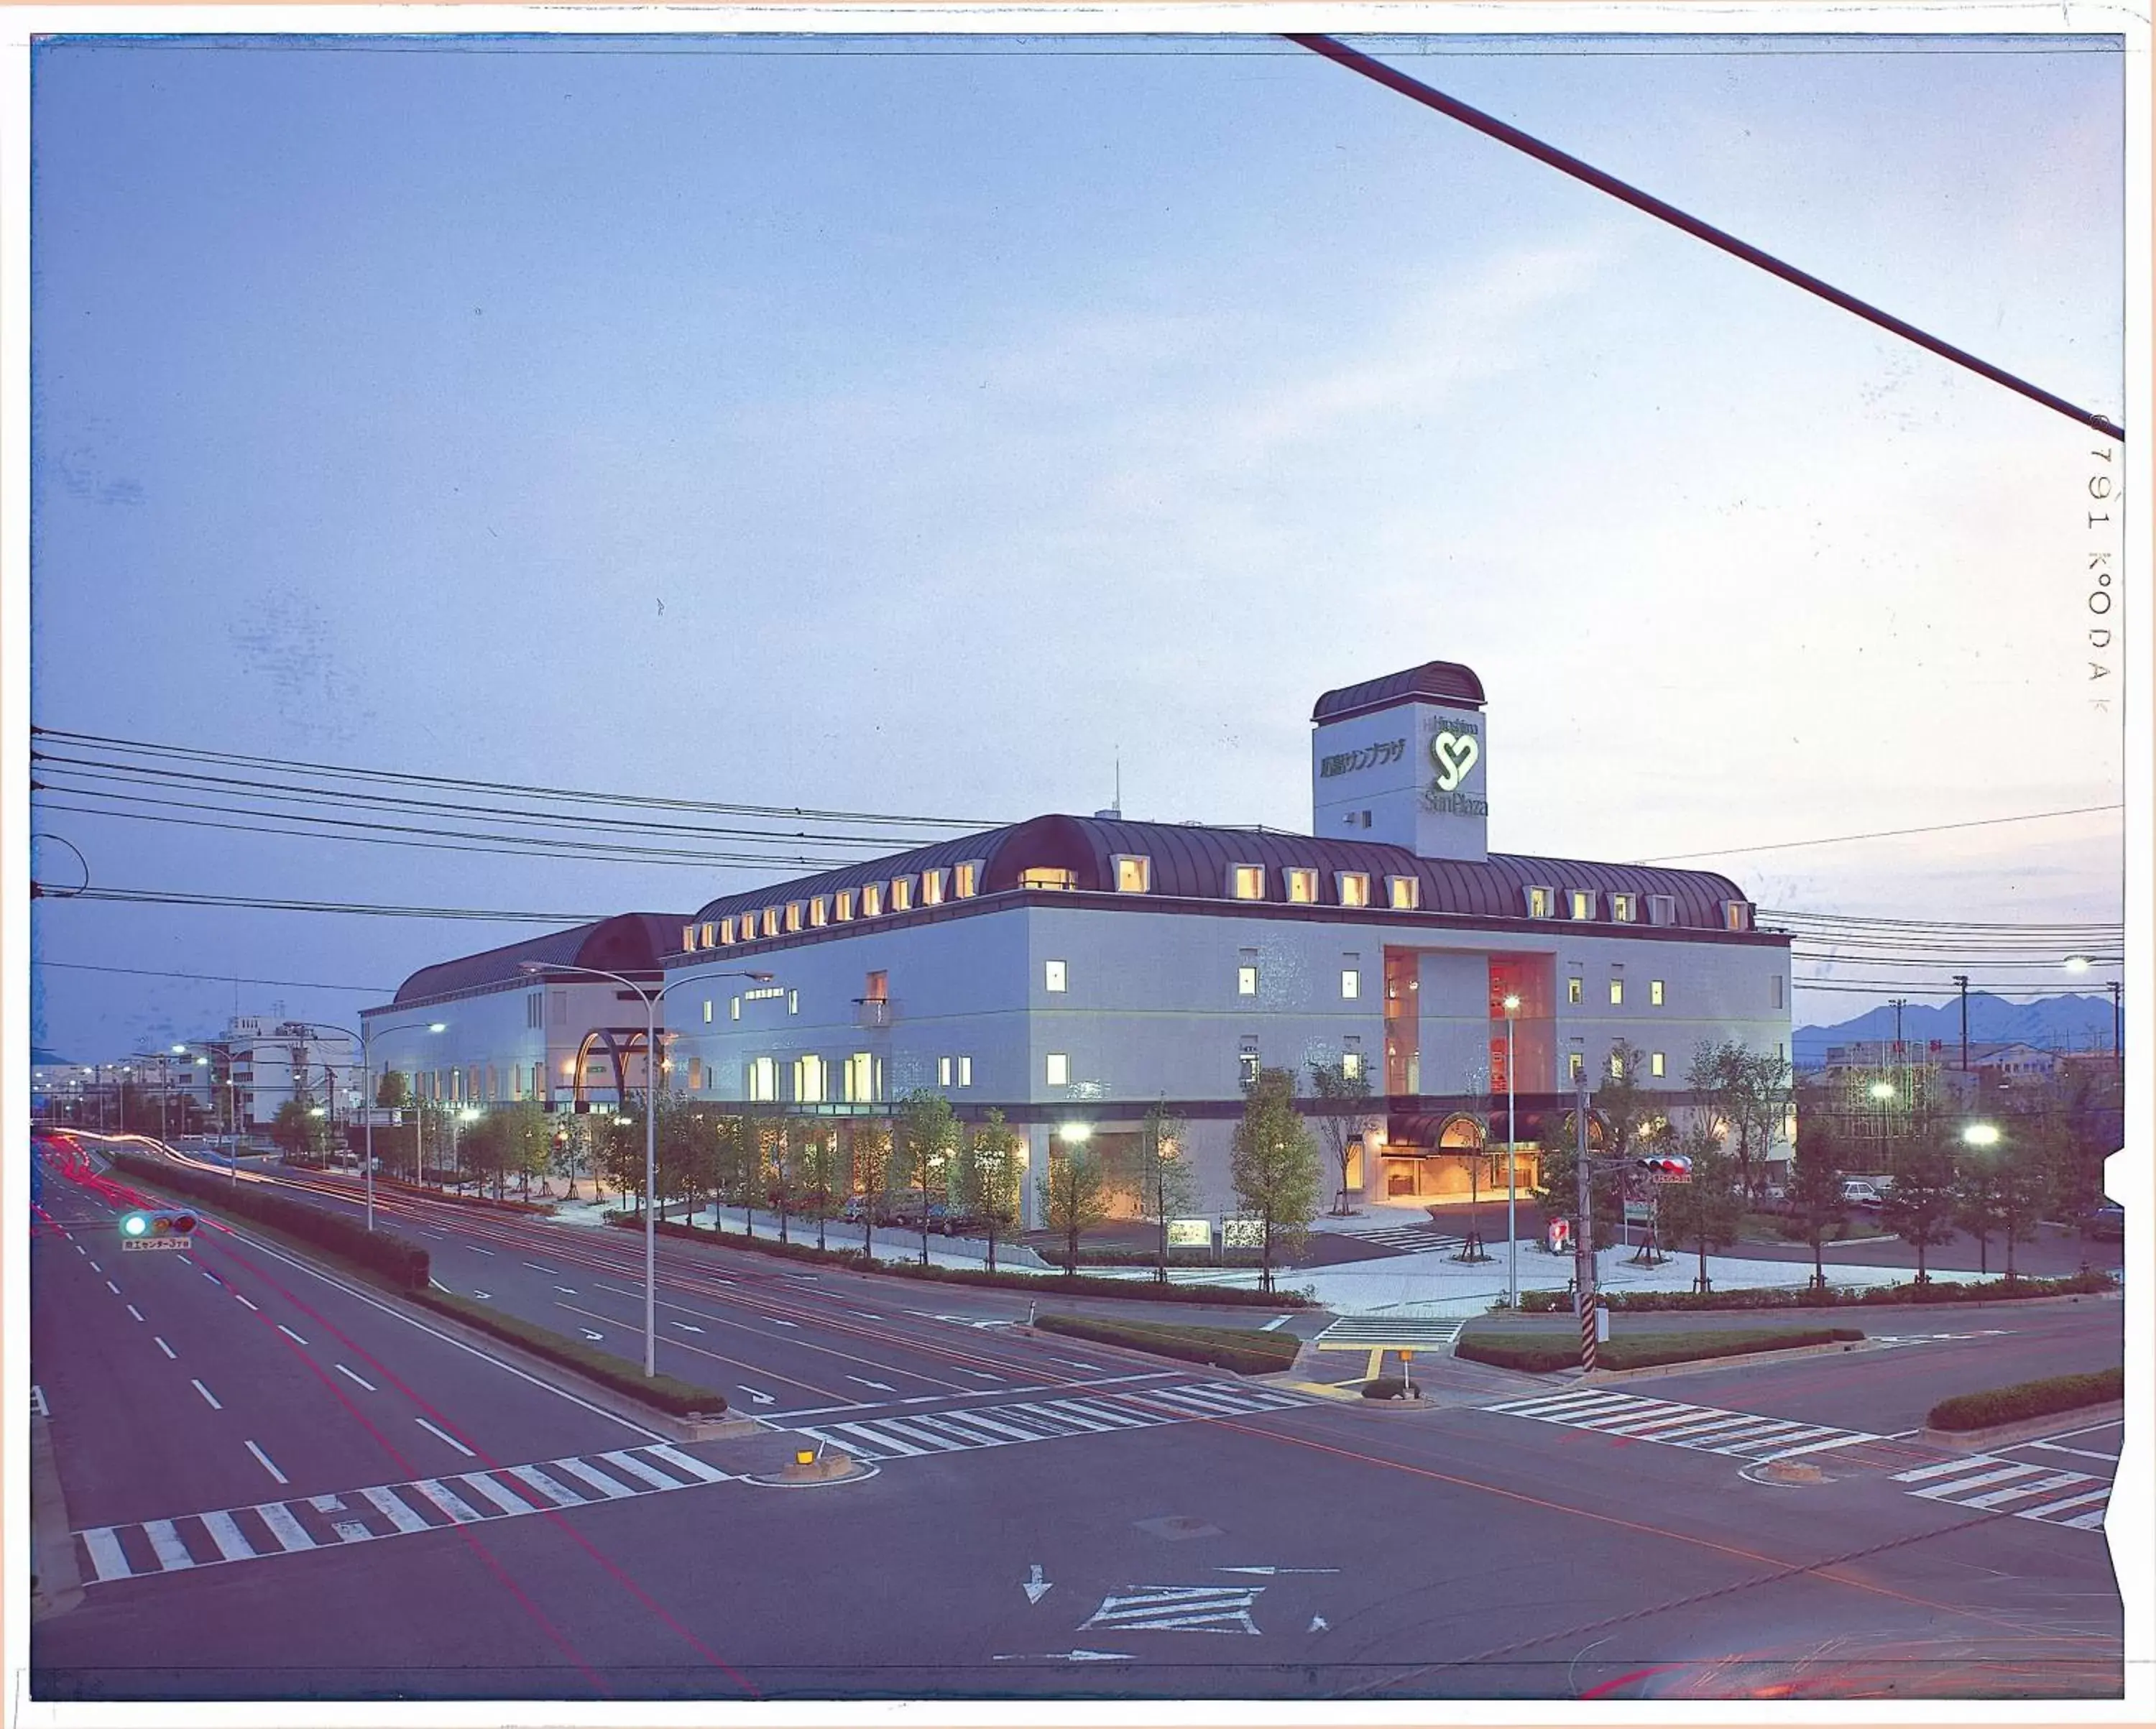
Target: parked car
[[2106, 1223], [1856, 1192]]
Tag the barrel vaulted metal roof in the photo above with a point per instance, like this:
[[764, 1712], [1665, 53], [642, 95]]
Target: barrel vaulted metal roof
[[1435, 680], [626, 942], [1194, 863]]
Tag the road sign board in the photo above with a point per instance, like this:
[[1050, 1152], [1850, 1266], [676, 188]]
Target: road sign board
[[1190, 1233], [1639, 1212], [134, 1243]]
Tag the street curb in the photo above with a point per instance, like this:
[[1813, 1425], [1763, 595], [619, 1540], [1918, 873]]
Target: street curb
[[53, 1565], [2006, 1435], [1705, 1365]]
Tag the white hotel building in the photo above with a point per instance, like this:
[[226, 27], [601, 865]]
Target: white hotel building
[[1071, 969]]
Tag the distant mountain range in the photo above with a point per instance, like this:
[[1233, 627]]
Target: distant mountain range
[[2078, 1023]]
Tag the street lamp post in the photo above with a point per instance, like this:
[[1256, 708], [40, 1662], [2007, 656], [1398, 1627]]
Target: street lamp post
[[366, 1037], [650, 999], [1512, 1166]]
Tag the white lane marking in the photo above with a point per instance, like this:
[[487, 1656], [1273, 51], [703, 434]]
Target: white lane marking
[[393, 1509], [80, 1250], [476, 1249], [880, 1386], [349, 1376], [165, 1348], [236, 1298], [865, 1315], [105, 1555], [776, 1321], [135, 1311], [554, 1492], [598, 1480], [635, 1467], [981, 1375], [1276, 1323], [537, 1268], [681, 1461], [462, 1512], [685, 1327], [566, 1289], [210, 1397], [288, 1530], [757, 1396], [172, 1553], [451, 1438], [2042, 1486], [231, 1543], [263, 1459], [94, 1268], [111, 1287], [484, 1485], [290, 1334], [2078, 1452]]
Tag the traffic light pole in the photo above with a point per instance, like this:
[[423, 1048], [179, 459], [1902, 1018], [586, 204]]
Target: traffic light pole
[[1582, 1239]]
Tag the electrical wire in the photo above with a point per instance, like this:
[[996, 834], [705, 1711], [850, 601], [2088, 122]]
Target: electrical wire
[[297, 984], [165, 897]]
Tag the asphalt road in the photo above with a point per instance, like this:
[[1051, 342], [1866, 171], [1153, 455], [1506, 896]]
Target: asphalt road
[[1040, 1522]]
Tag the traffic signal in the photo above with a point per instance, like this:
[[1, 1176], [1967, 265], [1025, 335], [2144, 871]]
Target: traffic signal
[[135, 1226], [1669, 1168]]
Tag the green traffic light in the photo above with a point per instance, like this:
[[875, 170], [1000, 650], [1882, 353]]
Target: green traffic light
[[135, 1224]]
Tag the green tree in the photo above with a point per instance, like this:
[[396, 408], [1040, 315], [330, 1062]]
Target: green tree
[[1274, 1167], [928, 1135], [523, 1129], [1710, 1209], [298, 1133], [1918, 1207], [1343, 1110], [990, 1169], [617, 1153], [2027, 1181], [819, 1167], [1750, 1092], [565, 1152], [1075, 1193], [1978, 1201], [1557, 1190], [1161, 1177], [871, 1152], [1816, 1215]]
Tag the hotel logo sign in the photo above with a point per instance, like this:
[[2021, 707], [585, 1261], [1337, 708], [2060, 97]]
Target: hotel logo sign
[[1370, 756], [1456, 747]]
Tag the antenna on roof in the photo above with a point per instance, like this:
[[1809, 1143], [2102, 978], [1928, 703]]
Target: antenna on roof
[[1114, 813]]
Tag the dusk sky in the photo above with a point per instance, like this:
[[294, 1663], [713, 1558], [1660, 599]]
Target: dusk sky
[[921, 427]]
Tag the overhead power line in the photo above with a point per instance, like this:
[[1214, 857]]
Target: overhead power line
[[296, 984], [163, 897], [1490, 126], [1778, 846]]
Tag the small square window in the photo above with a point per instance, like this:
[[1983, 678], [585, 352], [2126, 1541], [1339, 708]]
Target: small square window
[[1573, 991], [1058, 1068], [1301, 885], [1542, 903], [1350, 1064], [1055, 975], [1246, 981], [1354, 887], [1616, 991], [842, 906], [1577, 1066], [1247, 1061], [1247, 882], [1351, 981], [1133, 873], [1406, 892], [965, 1071], [1655, 991], [1655, 1065], [943, 1072], [1736, 915]]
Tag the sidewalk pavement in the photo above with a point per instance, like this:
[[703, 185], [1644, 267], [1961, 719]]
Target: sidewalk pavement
[[893, 1243]]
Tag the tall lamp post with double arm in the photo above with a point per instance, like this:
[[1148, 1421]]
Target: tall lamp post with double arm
[[1512, 1166], [366, 1037], [650, 999]]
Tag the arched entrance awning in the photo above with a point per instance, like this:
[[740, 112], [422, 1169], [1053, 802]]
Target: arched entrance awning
[[618, 1045]]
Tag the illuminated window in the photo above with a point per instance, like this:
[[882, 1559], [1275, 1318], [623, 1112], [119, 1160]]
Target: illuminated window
[[726, 930], [820, 910], [1354, 888], [1655, 1065], [707, 1011], [1621, 908], [1246, 981], [1583, 903], [1406, 892], [1655, 991], [689, 936], [1247, 1066], [793, 1002], [710, 936], [861, 1078], [1055, 975], [1058, 1068], [842, 906], [1133, 873], [965, 1071], [1047, 876], [1572, 991], [1301, 885], [943, 1072], [1578, 1066], [1542, 903], [901, 894], [1350, 1064], [1351, 981], [932, 887], [811, 1080], [1247, 882], [872, 900], [794, 912], [736, 1008], [763, 1078], [966, 879], [1736, 915], [1616, 991], [771, 922], [1616, 1066]]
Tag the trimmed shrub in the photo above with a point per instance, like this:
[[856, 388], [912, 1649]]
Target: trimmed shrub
[[399, 1259], [1139, 1258], [2028, 1398], [1545, 1302], [1542, 1356], [1245, 1351], [429, 1192], [1391, 1387], [664, 1392]]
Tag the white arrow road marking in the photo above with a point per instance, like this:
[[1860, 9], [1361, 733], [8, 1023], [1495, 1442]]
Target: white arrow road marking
[[685, 1327], [589, 1334], [757, 1397], [1066, 1657], [1318, 1623], [776, 1321], [567, 1290], [485, 1296], [1036, 1587], [1270, 1570], [880, 1386]]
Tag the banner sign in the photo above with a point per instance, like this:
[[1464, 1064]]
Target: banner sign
[[1242, 1234], [1190, 1233]]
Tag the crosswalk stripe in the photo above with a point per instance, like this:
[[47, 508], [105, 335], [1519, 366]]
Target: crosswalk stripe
[[1616, 1418], [488, 1489], [2006, 1474], [1542, 1405], [2102, 1493], [1833, 1442], [1952, 1467], [106, 1556], [2087, 1522], [977, 1420], [554, 1492], [920, 1429], [458, 1509], [1061, 1412], [682, 1462], [395, 1510], [292, 1535], [628, 1462], [231, 1543], [877, 1438], [1120, 1415], [1192, 1398], [172, 1553], [598, 1480], [2022, 1491]]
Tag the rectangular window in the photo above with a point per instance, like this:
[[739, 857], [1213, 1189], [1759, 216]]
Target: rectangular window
[[1620, 908], [1054, 975], [1246, 981], [965, 1071], [1572, 991], [943, 1072], [872, 900], [763, 1078], [1351, 981], [1406, 892], [707, 1011], [1654, 1065], [966, 879], [689, 937], [710, 936], [1655, 991], [1301, 885], [1247, 1062], [1777, 991], [1047, 876], [901, 894], [771, 922], [1583, 903], [1354, 887], [876, 987], [820, 910], [794, 910], [1133, 873], [932, 887], [726, 930], [1058, 1068], [1661, 909], [811, 1080], [1736, 915], [1616, 1066], [1578, 1066], [1542, 903], [1616, 991], [1247, 882], [1351, 1064], [842, 906], [793, 1002], [736, 1008], [861, 1078]]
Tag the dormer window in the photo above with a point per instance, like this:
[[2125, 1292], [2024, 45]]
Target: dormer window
[[1133, 873], [872, 900], [901, 894], [1737, 915], [1301, 885], [688, 938], [1047, 876], [1661, 909], [1405, 892], [1542, 903], [794, 911], [842, 906], [932, 887], [710, 936], [726, 930], [1353, 887], [1246, 882], [1583, 903], [820, 910], [1624, 908], [770, 916], [966, 879]]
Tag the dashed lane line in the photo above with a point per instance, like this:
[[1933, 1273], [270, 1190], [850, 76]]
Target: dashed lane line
[[209, 1398], [442, 1435], [360, 1379], [267, 1463], [166, 1349]]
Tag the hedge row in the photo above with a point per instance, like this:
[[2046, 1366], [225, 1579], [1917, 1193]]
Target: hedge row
[[2030, 1398], [433, 1193], [1135, 1290], [1139, 1257], [404, 1262], [1543, 1302], [1543, 1356], [662, 1391], [1245, 1351]]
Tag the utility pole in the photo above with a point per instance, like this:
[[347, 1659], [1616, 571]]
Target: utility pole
[[1582, 1239], [1961, 980], [2117, 1043]]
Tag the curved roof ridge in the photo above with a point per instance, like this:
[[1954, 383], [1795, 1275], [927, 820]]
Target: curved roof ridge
[[1434, 680]]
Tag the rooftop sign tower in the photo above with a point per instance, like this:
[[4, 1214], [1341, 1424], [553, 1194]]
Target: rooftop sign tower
[[1404, 759]]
